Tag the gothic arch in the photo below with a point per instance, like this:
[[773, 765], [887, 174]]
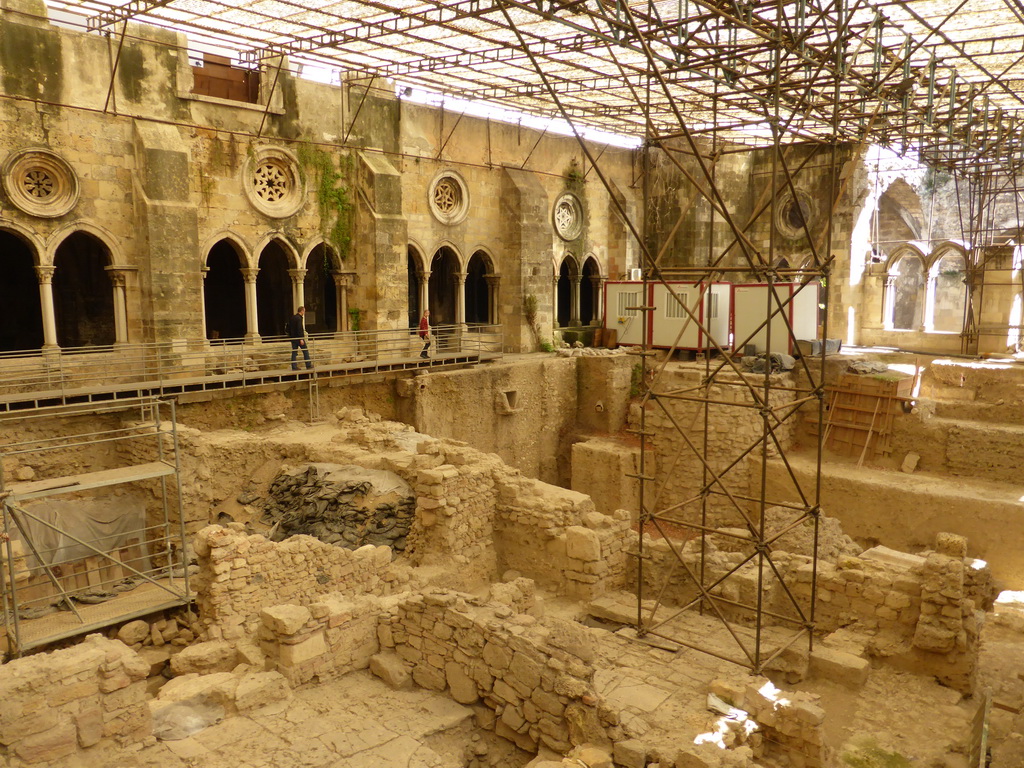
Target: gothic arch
[[289, 250], [83, 290], [567, 275], [319, 289], [103, 236], [224, 289], [22, 328], [237, 242], [906, 279]]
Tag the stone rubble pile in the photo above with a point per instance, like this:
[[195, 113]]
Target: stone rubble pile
[[339, 505]]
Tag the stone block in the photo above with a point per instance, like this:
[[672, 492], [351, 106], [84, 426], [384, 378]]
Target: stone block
[[838, 666], [259, 689], [89, 725], [133, 632], [205, 658], [50, 745], [951, 545], [391, 669], [630, 753], [582, 543], [463, 688], [285, 619], [311, 648]]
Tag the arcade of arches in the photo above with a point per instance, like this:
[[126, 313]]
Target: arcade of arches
[[454, 296]]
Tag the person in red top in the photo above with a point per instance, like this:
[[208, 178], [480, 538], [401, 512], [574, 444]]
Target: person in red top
[[425, 331]]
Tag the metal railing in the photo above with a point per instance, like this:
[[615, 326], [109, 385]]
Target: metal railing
[[44, 377]]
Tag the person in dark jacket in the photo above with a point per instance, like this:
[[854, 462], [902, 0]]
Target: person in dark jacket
[[425, 331], [297, 334]]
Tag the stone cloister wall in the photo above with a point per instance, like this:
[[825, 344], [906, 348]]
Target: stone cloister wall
[[158, 176]]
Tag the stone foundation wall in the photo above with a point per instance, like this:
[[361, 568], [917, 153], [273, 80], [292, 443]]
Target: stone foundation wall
[[327, 639], [534, 678], [241, 574], [731, 430], [556, 537], [57, 703]]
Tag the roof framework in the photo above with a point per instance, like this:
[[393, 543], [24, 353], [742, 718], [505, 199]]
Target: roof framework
[[943, 77]]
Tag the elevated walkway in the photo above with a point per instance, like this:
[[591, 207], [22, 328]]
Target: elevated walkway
[[45, 378]]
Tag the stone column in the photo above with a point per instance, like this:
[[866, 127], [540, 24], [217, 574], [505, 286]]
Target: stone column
[[45, 275], [493, 313], [424, 291], [117, 279], [574, 287], [342, 281], [599, 300], [460, 297], [298, 277], [554, 302], [252, 326]]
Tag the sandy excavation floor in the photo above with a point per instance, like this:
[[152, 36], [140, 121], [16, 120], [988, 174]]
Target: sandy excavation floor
[[359, 722]]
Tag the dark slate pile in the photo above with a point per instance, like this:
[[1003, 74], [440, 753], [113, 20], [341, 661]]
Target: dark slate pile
[[348, 512]]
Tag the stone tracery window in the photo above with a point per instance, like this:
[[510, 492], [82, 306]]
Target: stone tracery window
[[40, 183], [272, 182], [448, 198], [568, 216]]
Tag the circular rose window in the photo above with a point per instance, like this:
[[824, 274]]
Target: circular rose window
[[272, 182], [449, 198], [794, 215], [40, 183], [568, 216]]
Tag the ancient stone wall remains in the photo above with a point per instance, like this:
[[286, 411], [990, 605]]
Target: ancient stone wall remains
[[57, 703], [326, 639], [535, 677], [790, 726], [731, 430], [240, 575], [557, 537]]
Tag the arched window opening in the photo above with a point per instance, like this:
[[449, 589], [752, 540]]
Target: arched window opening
[[441, 287], [224, 293], [413, 283], [948, 294], [319, 292], [82, 292], [478, 308], [906, 288], [568, 283], [589, 287], [273, 291], [22, 327]]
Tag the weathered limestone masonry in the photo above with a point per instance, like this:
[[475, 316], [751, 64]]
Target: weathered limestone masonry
[[790, 725], [241, 574], [558, 538], [56, 703], [330, 638], [474, 515], [730, 432], [534, 676]]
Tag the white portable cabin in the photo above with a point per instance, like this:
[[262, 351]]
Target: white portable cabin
[[750, 306], [669, 317], [619, 296]]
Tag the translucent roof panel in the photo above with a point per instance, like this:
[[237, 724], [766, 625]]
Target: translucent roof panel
[[941, 76]]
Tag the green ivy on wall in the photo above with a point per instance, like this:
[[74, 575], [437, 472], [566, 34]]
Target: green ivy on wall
[[333, 198]]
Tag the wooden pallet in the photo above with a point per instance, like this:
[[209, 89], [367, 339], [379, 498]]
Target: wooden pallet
[[861, 413]]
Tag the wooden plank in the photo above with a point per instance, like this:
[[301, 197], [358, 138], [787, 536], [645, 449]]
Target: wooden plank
[[89, 480]]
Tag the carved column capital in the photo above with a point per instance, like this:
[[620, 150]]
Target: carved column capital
[[249, 274], [45, 274]]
